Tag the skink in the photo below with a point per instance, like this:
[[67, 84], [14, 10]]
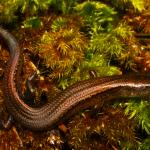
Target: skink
[[48, 115]]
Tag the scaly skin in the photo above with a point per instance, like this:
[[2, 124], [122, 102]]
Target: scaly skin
[[47, 116]]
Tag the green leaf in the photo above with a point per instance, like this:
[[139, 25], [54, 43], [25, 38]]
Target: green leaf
[[138, 4], [33, 22]]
